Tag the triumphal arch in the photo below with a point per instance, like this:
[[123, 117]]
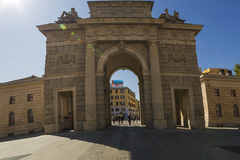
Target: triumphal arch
[[82, 54]]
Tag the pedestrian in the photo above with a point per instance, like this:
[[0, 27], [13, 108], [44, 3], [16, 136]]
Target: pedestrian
[[114, 118], [129, 119], [119, 119], [122, 118]]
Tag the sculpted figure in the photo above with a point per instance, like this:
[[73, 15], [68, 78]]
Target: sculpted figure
[[171, 19], [69, 17]]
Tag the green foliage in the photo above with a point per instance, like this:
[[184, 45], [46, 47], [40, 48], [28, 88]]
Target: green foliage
[[237, 69]]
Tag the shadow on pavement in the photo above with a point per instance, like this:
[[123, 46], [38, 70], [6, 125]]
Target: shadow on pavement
[[16, 157], [23, 136]]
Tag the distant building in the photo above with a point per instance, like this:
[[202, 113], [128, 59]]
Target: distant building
[[123, 101], [221, 97]]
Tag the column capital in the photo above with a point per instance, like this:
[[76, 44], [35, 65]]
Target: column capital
[[93, 43], [152, 42]]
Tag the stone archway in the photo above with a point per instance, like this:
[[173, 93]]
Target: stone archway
[[115, 50], [129, 58]]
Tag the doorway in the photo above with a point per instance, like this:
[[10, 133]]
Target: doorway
[[182, 107], [65, 112]]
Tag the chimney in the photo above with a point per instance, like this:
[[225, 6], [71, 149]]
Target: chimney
[[221, 72], [229, 73]]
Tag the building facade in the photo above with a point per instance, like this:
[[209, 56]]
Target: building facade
[[123, 101], [21, 106], [221, 99], [82, 55]]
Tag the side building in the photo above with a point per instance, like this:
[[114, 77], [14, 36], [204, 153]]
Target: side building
[[123, 101], [21, 106], [221, 98]]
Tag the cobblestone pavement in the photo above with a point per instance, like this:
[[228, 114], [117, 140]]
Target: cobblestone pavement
[[125, 142]]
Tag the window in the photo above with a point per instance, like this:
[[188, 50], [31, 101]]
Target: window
[[122, 91], [218, 110], [30, 97], [12, 100], [116, 97], [116, 103], [112, 110], [122, 97], [233, 93], [117, 109], [216, 92], [11, 119], [110, 91], [122, 109], [116, 91], [30, 116], [122, 103], [128, 91], [111, 103], [235, 111], [111, 97]]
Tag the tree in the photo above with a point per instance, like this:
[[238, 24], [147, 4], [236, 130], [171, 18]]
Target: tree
[[237, 69]]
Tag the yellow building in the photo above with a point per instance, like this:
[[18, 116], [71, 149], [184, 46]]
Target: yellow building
[[221, 97], [21, 106], [122, 100]]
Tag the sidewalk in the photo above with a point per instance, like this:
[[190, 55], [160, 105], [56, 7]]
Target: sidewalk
[[125, 142]]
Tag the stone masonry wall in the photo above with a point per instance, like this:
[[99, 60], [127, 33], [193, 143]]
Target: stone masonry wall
[[65, 59], [49, 85], [177, 58], [167, 81], [21, 107]]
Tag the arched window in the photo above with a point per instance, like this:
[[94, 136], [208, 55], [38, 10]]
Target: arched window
[[218, 110], [235, 111], [11, 119], [30, 116]]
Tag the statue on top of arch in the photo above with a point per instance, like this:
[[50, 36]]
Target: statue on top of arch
[[171, 19], [69, 17]]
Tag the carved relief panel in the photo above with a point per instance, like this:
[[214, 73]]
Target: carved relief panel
[[175, 35], [177, 57], [65, 36], [121, 31], [70, 58]]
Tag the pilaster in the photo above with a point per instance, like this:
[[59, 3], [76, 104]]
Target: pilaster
[[90, 87], [156, 87]]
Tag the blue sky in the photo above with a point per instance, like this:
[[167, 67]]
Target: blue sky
[[23, 48]]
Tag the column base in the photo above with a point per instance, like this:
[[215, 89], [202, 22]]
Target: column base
[[149, 123], [101, 124], [80, 125], [49, 128], [90, 125], [200, 124], [159, 123], [143, 121]]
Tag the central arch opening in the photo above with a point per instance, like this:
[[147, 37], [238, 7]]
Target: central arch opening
[[124, 97], [131, 62]]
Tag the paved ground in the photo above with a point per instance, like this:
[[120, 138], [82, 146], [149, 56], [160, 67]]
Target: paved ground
[[125, 142]]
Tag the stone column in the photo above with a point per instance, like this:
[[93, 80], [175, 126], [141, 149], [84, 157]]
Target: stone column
[[156, 87], [90, 88], [107, 106], [142, 109]]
